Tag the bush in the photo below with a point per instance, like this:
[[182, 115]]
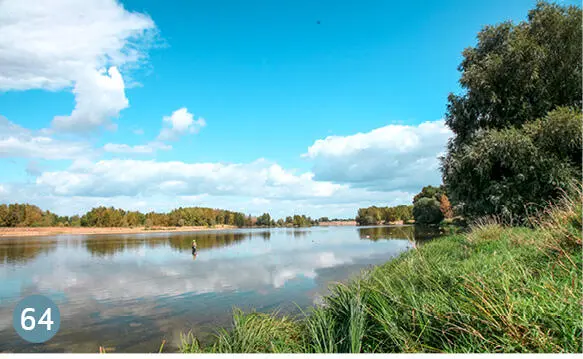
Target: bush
[[513, 172], [427, 211]]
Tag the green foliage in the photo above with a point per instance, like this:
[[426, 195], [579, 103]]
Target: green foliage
[[378, 215], [429, 192], [512, 172], [518, 73], [517, 126], [559, 134], [303, 221], [431, 205], [28, 215], [264, 220], [198, 216], [427, 211], [252, 333]]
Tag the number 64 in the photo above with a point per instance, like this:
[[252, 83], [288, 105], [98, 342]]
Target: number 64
[[44, 319]]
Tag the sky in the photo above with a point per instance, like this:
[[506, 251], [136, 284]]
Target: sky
[[287, 107]]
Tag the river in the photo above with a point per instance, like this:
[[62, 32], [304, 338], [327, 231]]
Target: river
[[128, 293]]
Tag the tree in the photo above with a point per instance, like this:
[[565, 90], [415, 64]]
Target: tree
[[264, 220], [375, 215], [509, 172], [426, 211], [445, 206], [517, 126], [239, 219], [429, 192], [518, 73]]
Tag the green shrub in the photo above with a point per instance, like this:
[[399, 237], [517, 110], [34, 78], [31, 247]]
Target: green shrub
[[427, 211]]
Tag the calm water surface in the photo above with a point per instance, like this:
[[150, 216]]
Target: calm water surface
[[129, 292]]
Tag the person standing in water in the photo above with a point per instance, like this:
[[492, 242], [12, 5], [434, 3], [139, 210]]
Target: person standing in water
[[194, 246]]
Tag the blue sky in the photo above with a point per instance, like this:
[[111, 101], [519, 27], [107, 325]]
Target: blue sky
[[256, 89]]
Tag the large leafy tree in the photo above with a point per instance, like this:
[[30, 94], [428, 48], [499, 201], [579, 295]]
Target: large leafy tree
[[518, 73], [517, 126], [511, 172]]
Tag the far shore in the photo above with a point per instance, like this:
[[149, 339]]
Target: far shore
[[55, 231], [14, 232], [338, 223]]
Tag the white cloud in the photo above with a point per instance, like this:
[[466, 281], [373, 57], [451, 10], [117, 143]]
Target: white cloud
[[137, 149], [117, 177], [18, 142], [99, 96], [180, 123], [67, 43], [394, 157], [48, 46], [166, 195]]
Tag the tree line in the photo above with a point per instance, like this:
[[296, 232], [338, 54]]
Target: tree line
[[265, 220], [28, 215], [383, 215], [430, 206]]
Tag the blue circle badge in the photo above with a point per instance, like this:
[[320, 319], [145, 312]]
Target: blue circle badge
[[36, 318]]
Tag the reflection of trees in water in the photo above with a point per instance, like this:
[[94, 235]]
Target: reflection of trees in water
[[266, 235], [416, 234], [207, 240], [180, 242], [426, 233], [396, 232], [103, 247], [14, 251], [296, 233]]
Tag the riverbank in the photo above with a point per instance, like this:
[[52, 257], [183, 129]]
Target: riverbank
[[13, 232], [494, 289], [337, 223]]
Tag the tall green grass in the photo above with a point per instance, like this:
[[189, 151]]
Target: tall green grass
[[494, 289]]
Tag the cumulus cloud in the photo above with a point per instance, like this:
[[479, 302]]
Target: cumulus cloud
[[99, 96], [171, 194], [70, 43], [117, 177], [393, 157], [180, 123], [48, 46], [137, 149], [18, 142]]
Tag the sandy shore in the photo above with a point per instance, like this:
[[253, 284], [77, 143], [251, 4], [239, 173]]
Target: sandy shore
[[338, 223], [53, 231]]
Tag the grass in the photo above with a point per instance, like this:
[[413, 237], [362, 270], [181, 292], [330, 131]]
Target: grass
[[494, 289]]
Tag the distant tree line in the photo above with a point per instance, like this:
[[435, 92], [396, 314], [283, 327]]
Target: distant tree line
[[383, 215], [265, 220], [430, 206], [28, 215]]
